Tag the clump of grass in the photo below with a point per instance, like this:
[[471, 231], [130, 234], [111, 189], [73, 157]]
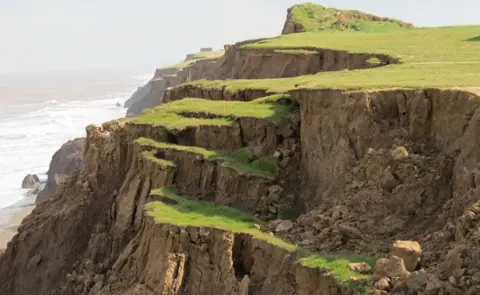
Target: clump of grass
[[151, 156], [274, 98], [207, 154], [238, 160], [184, 211], [296, 51], [196, 112]]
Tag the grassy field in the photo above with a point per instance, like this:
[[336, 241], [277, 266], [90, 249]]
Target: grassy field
[[210, 112], [240, 160], [445, 44], [316, 17], [196, 57], [430, 57], [190, 212]]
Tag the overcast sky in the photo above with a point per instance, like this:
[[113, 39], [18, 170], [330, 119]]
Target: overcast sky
[[81, 34]]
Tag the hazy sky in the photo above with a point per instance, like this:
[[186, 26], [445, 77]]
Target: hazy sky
[[80, 34]]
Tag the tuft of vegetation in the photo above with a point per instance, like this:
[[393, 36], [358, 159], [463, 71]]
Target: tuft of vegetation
[[240, 160], [314, 17], [184, 211], [151, 156], [196, 112], [206, 154], [264, 166]]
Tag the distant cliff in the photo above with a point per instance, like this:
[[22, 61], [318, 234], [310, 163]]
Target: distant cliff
[[239, 61]]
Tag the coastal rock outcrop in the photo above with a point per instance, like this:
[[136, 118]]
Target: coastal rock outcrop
[[30, 181], [65, 162]]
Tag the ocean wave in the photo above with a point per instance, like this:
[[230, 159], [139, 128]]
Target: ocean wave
[[29, 139], [53, 101]]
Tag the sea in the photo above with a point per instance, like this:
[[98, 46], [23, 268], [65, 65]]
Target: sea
[[41, 111]]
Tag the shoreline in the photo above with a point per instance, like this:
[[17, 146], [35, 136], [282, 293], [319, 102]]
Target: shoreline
[[10, 228]]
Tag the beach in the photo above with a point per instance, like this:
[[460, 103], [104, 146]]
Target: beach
[[10, 228]]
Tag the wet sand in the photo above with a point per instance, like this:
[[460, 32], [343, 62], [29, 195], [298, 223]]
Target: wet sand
[[8, 230]]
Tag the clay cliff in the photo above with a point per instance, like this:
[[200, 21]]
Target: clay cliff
[[241, 189], [242, 62], [105, 244]]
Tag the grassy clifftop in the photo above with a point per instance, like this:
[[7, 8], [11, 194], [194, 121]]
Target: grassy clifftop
[[314, 17], [429, 57], [194, 58], [176, 208]]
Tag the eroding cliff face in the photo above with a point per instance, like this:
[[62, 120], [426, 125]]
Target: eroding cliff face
[[366, 168], [95, 223], [166, 259], [240, 62], [386, 165]]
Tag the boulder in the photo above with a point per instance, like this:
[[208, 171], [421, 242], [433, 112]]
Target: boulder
[[30, 181], [390, 268], [409, 251], [360, 267], [383, 284], [283, 226], [417, 281], [399, 153]]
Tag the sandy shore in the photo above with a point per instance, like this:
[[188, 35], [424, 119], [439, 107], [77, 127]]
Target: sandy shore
[[8, 230]]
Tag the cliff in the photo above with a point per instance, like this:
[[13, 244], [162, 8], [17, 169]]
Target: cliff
[[271, 183], [104, 243], [65, 162], [150, 94], [243, 62], [314, 17]]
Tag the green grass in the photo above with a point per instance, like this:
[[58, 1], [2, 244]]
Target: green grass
[[314, 17], [210, 112], [296, 51], [444, 44], [392, 76], [196, 57], [150, 155], [188, 212], [207, 154], [238, 160], [430, 57]]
